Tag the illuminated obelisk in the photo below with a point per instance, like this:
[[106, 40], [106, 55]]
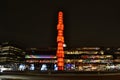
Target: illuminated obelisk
[[60, 41]]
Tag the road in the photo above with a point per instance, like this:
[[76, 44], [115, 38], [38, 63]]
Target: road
[[61, 77], [22, 77]]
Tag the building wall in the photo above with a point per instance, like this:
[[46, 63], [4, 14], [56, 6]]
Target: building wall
[[11, 54]]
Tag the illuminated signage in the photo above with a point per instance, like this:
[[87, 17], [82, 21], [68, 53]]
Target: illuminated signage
[[40, 56]]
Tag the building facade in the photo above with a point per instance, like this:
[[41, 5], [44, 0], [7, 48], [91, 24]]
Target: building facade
[[11, 55], [87, 59], [77, 59], [41, 59]]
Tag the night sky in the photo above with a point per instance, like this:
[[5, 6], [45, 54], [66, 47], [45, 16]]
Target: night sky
[[32, 23]]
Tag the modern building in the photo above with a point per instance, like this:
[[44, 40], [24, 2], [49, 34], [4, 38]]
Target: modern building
[[75, 59], [87, 59], [41, 59], [11, 55], [116, 54]]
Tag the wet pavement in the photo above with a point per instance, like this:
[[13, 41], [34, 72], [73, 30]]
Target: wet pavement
[[73, 76], [60, 77]]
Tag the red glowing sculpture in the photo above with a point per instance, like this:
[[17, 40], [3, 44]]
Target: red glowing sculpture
[[60, 41]]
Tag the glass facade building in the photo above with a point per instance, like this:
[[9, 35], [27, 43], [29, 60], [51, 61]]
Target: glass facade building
[[41, 59], [11, 55], [87, 59], [77, 59]]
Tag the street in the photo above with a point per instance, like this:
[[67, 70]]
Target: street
[[61, 77]]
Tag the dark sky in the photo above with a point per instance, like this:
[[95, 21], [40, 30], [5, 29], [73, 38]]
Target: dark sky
[[32, 23]]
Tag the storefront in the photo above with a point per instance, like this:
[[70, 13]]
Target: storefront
[[41, 62]]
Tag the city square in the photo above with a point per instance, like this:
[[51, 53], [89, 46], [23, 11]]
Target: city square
[[58, 41]]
